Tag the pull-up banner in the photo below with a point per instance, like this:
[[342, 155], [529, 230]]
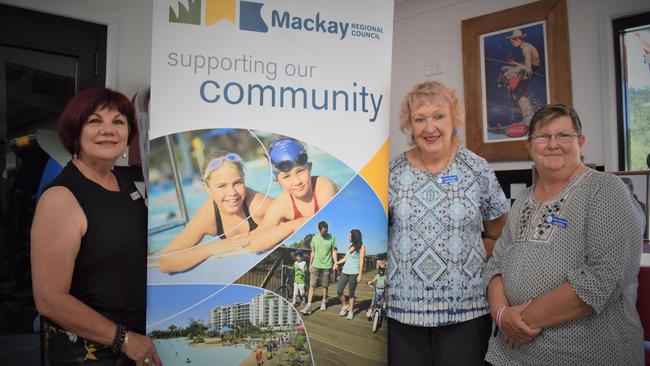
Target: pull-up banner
[[268, 181]]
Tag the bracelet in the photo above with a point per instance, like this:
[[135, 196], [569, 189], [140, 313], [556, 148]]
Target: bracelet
[[499, 313], [126, 341], [118, 340]]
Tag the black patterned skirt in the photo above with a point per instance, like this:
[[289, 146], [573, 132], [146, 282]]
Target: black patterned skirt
[[65, 348]]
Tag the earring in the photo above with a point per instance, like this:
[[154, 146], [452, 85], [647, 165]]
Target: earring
[[74, 156], [454, 132], [124, 155]]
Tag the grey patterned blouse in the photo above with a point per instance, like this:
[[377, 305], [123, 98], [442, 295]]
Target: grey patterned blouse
[[435, 252], [590, 235]]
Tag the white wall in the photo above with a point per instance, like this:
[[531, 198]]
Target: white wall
[[425, 32], [129, 35], [429, 32]]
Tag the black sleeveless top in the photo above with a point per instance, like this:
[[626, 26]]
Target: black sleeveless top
[[252, 225], [110, 271]]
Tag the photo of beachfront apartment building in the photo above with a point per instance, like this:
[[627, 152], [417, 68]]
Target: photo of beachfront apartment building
[[264, 310]]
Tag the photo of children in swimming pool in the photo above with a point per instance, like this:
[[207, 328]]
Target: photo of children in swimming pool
[[229, 196]]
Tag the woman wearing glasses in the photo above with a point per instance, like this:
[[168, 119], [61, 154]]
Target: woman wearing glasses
[[563, 276], [232, 209]]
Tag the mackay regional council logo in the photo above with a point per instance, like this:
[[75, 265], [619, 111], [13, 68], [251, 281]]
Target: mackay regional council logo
[[250, 19]]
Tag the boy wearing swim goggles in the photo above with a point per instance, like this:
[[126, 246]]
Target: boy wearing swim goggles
[[303, 195]]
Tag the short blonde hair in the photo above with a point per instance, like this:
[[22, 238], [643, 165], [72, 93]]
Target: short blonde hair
[[431, 92]]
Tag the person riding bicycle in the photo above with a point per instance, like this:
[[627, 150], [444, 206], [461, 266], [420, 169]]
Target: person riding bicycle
[[379, 283]]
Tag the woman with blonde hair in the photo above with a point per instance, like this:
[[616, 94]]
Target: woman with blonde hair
[[440, 195]]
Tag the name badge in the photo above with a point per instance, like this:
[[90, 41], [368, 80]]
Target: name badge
[[135, 195], [448, 179], [558, 221], [141, 187]]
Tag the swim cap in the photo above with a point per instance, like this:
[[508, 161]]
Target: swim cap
[[286, 153]]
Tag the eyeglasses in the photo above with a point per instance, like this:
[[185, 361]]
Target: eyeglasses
[[286, 165], [545, 138], [215, 163]]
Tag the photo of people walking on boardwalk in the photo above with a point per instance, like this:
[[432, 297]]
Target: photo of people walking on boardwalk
[[236, 325], [339, 259], [251, 192]]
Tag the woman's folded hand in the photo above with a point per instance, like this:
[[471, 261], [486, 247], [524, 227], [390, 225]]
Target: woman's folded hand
[[516, 332]]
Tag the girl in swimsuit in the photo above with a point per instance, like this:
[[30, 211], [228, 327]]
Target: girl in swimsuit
[[231, 210], [302, 196]]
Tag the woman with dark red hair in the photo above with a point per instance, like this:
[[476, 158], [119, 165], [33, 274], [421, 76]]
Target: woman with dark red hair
[[89, 242]]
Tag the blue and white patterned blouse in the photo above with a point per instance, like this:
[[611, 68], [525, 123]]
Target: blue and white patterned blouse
[[435, 252]]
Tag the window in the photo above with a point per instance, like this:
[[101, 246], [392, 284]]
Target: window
[[632, 54]]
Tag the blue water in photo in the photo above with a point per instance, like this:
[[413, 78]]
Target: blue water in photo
[[165, 220], [258, 177], [176, 351]]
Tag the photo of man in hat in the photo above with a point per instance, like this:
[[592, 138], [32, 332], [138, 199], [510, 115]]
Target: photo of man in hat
[[519, 72], [514, 79]]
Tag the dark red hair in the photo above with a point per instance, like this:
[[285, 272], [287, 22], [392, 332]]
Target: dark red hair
[[76, 112]]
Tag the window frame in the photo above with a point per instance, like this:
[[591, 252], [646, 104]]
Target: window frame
[[618, 26]]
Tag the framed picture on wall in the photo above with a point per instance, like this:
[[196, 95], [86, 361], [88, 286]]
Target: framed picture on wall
[[514, 62], [638, 185]]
